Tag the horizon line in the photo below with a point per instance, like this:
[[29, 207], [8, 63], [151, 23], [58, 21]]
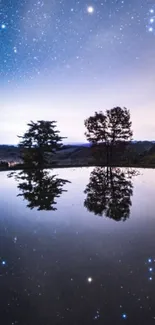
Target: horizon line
[[75, 142]]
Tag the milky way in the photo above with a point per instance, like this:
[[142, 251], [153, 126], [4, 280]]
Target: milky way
[[45, 34], [80, 43]]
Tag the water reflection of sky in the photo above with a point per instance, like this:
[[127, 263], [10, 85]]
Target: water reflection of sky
[[72, 267]]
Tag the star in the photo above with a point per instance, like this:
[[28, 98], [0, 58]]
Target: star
[[151, 11], [89, 279], [149, 260], [3, 263], [152, 20], [97, 316], [124, 316], [150, 29], [90, 9], [150, 278], [3, 26], [15, 50], [150, 269]]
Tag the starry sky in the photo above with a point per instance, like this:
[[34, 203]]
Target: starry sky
[[65, 59]]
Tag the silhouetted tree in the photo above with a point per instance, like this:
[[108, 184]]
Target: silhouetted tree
[[40, 139], [109, 192], [110, 131], [39, 188], [4, 164]]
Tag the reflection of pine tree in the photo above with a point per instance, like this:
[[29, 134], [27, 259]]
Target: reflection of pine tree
[[40, 189], [109, 192]]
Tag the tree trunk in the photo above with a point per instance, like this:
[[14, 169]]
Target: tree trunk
[[111, 154], [107, 152]]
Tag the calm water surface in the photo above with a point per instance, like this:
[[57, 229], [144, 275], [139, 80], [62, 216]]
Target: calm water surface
[[90, 259]]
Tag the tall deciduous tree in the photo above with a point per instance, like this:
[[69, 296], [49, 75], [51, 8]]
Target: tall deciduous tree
[[40, 139], [109, 193], [113, 129]]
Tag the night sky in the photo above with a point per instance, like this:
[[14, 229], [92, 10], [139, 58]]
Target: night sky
[[66, 59]]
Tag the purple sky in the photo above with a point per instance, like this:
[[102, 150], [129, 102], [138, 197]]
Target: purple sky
[[63, 60]]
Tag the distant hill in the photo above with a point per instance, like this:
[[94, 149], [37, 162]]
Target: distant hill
[[141, 146], [80, 144], [148, 157], [81, 153], [9, 153]]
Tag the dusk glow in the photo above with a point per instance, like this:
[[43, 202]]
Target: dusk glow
[[63, 60]]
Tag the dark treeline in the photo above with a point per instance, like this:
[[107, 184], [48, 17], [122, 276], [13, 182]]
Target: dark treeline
[[39, 188], [109, 192], [108, 133]]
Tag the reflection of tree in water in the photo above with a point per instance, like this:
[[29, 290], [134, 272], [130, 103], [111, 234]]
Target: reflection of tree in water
[[40, 189], [109, 192]]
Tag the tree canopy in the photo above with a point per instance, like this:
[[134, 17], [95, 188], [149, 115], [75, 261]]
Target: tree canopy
[[109, 193], [114, 125], [40, 189], [40, 138], [112, 128]]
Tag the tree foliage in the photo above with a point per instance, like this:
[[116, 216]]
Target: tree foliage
[[112, 129], [40, 138], [39, 188], [109, 193]]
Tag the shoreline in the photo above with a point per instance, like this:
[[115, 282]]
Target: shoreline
[[19, 167]]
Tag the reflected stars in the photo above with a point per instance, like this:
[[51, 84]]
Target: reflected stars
[[42, 266]]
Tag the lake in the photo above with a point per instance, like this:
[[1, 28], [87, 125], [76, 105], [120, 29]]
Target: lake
[[81, 256]]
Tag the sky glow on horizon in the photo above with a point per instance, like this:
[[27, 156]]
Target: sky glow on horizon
[[63, 60]]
